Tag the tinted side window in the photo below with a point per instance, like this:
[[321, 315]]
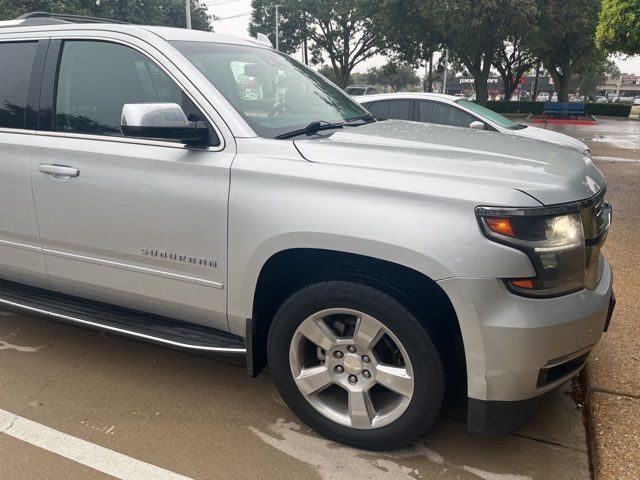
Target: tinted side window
[[16, 61], [443, 114], [392, 109], [96, 79]]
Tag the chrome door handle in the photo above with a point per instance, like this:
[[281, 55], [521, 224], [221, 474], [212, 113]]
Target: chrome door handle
[[59, 171]]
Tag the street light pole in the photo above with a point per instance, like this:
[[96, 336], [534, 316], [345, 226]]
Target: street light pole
[[188, 12], [446, 68]]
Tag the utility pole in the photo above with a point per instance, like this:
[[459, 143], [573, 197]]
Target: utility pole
[[188, 11], [446, 68], [430, 76], [277, 7], [305, 46]]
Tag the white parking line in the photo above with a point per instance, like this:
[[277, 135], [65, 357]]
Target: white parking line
[[80, 451]]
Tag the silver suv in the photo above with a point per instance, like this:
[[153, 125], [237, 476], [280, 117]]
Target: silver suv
[[212, 194]]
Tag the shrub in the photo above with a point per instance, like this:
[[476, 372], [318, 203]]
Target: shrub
[[608, 109], [537, 108], [516, 107]]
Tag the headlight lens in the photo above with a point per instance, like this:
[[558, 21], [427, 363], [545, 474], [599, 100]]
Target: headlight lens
[[563, 243]]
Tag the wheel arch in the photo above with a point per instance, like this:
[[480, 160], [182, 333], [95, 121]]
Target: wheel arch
[[289, 270]]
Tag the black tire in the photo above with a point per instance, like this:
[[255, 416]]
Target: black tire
[[426, 400]]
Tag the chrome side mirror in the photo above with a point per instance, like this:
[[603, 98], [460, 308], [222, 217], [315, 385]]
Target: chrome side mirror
[[166, 121], [477, 125]]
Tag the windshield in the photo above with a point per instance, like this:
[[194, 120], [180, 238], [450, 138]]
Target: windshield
[[273, 93], [490, 115]]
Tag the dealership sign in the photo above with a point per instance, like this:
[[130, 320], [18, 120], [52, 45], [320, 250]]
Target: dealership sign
[[631, 80], [470, 80]]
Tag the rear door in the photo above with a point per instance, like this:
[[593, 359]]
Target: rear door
[[443, 114], [392, 109], [20, 73], [133, 222]]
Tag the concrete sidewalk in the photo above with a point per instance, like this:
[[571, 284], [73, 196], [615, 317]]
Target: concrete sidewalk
[[613, 372], [612, 377]]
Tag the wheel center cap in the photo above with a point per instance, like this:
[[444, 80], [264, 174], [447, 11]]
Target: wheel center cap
[[352, 364]]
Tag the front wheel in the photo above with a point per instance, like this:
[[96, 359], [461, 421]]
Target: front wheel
[[355, 365]]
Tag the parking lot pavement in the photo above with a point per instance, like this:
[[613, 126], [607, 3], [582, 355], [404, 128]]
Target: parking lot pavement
[[609, 137], [76, 403]]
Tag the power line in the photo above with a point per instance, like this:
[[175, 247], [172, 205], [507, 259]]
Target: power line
[[215, 3], [232, 16]]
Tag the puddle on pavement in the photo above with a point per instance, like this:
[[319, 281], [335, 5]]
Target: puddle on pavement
[[8, 346]]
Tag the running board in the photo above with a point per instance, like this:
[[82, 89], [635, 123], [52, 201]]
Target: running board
[[122, 321]]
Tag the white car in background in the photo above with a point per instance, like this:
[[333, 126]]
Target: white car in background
[[458, 112], [542, 97]]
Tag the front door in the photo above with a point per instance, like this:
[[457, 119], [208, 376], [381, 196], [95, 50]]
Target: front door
[[133, 222]]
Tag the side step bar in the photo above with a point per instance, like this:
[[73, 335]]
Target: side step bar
[[122, 321]]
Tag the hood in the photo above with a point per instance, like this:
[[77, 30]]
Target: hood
[[553, 137], [552, 174]]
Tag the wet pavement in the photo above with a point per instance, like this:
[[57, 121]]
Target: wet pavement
[[607, 137], [203, 418]]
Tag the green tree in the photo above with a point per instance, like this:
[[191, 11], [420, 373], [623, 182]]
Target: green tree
[[564, 39], [158, 12], [405, 36], [397, 75], [472, 30], [292, 23], [512, 60], [328, 72], [513, 57], [342, 32], [594, 73], [619, 26]]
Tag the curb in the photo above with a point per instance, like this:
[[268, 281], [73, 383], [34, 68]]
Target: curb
[[613, 454]]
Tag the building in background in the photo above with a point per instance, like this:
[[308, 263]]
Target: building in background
[[623, 86]]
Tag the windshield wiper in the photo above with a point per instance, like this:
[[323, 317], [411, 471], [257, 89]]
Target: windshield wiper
[[311, 129]]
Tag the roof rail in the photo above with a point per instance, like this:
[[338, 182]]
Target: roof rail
[[39, 18]]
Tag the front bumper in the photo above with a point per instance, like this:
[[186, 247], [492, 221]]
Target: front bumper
[[517, 349]]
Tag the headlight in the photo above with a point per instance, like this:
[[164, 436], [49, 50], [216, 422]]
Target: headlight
[[563, 243]]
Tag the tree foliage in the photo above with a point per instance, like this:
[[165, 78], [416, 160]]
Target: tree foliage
[[564, 39], [619, 26], [513, 57], [592, 74], [342, 32], [473, 30], [292, 23], [157, 12], [396, 75], [512, 60], [406, 33]]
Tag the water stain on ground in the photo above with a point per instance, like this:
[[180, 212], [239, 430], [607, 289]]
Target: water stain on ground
[[336, 462]]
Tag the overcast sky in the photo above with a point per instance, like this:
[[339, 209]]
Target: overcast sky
[[235, 15]]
